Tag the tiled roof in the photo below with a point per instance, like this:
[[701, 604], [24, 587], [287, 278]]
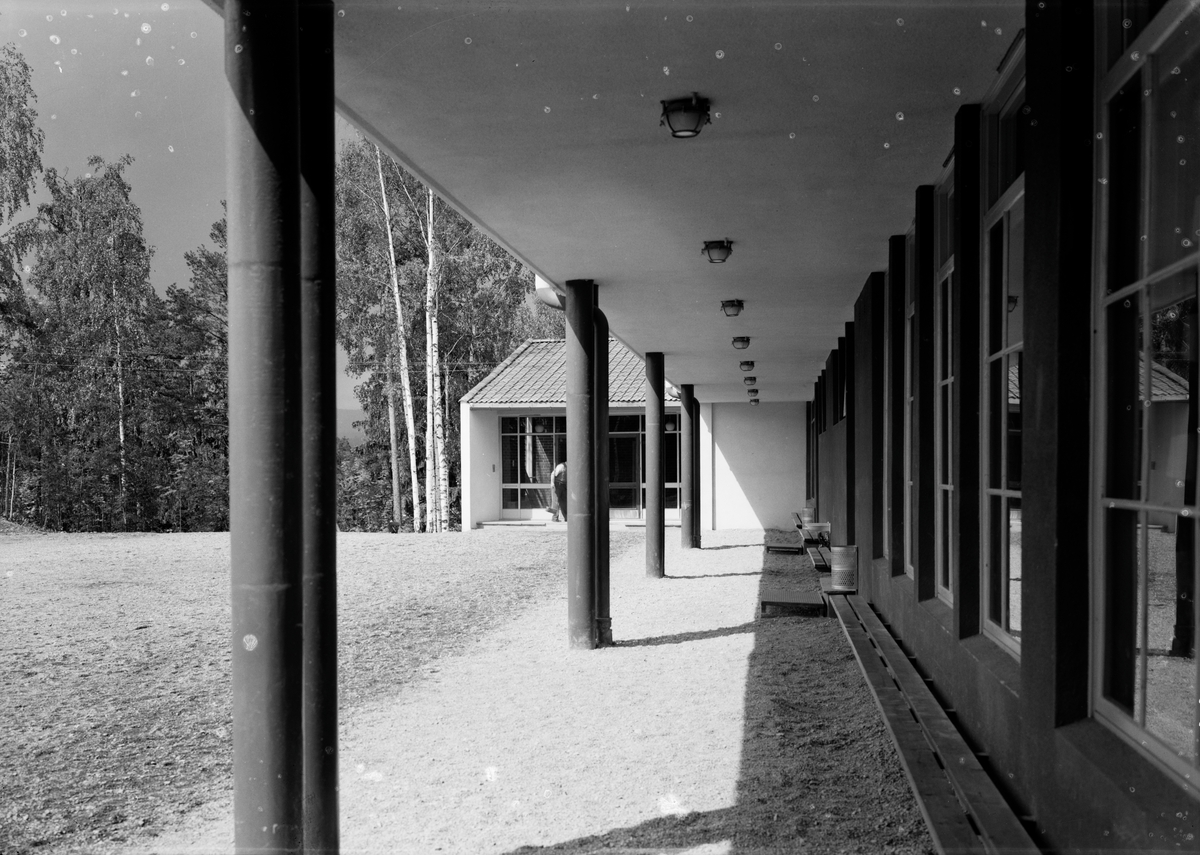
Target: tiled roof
[[1165, 384], [536, 373]]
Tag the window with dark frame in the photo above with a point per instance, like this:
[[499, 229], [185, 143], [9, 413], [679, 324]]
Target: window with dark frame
[[1147, 419], [944, 385], [532, 445], [910, 388], [530, 448], [1002, 259]]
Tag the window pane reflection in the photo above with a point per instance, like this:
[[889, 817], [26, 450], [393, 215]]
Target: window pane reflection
[[1170, 679], [1014, 305], [1124, 399], [509, 451], [1173, 343], [1013, 464], [1014, 567], [537, 458], [535, 498]]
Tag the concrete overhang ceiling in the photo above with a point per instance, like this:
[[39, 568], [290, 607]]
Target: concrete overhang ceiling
[[540, 122]]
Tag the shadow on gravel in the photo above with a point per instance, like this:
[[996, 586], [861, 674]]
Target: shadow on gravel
[[818, 772], [684, 637], [712, 576]]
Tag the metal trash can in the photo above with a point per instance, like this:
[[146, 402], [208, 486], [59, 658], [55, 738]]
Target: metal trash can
[[843, 565], [807, 515]]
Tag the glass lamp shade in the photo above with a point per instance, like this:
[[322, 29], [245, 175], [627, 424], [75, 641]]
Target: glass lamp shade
[[748, 365], [753, 393], [754, 402], [685, 116], [741, 342], [732, 308], [749, 381], [717, 251]]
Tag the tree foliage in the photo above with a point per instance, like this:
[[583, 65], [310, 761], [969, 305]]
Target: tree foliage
[[484, 307], [114, 396], [21, 140]]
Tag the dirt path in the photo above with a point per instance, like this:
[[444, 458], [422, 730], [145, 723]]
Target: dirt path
[[704, 730]]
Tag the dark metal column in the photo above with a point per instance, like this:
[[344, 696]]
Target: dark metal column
[[581, 493], [318, 419], [655, 474], [604, 635], [263, 187], [687, 528], [696, 505]]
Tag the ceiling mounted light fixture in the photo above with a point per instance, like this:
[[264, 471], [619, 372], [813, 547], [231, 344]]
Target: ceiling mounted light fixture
[[748, 365], [749, 381], [741, 342], [754, 402], [685, 116], [717, 251], [732, 308], [753, 393]]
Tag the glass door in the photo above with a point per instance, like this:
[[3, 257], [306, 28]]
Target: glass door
[[625, 476]]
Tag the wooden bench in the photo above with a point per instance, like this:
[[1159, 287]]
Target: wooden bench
[[788, 597], [786, 548], [819, 539], [962, 805]]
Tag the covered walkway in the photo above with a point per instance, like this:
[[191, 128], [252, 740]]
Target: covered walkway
[[704, 729]]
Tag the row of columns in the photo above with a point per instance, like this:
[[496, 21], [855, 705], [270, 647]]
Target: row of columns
[[589, 622], [279, 67]]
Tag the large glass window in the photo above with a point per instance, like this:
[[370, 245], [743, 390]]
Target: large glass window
[[1004, 309], [1148, 418], [531, 446], [910, 412], [944, 387], [1002, 334]]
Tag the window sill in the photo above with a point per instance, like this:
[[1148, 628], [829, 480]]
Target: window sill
[[1123, 767]]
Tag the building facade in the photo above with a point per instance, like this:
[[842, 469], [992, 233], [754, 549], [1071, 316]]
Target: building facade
[[514, 432], [1008, 433]]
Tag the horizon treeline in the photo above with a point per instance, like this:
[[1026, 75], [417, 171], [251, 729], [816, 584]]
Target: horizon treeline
[[113, 394]]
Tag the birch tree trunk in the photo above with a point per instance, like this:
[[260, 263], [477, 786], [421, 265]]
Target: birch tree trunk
[[402, 347], [447, 428], [433, 375], [397, 508], [430, 405]]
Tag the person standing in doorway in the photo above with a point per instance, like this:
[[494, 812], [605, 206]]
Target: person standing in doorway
[[558, 479]]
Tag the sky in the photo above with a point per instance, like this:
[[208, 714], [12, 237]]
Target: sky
[[145, 79]]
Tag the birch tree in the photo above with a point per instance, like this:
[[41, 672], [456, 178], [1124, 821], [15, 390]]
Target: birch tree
[[373, 247]]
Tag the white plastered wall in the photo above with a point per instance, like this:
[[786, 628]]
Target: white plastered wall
[[480, 455], [751, 465]]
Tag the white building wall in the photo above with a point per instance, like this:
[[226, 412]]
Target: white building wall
[[479, 451], [751, 464]]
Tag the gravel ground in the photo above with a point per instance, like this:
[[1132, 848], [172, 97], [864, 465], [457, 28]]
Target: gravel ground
[[468, 726]]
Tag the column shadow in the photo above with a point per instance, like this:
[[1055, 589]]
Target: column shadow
[[817, 773]]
